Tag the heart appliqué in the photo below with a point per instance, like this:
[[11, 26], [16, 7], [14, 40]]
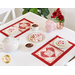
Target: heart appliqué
[[48, 53], [23, 25]]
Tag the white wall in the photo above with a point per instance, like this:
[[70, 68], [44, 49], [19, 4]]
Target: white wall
[[18, 12], [69, 14]]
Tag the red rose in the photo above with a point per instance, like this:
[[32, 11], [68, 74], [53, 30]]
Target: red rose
[[58, 12], [60, 17], [54, 14], [58, 9]]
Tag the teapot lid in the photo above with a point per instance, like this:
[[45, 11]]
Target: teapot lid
[[9, 39]]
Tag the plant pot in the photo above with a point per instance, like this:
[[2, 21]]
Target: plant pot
[[59, 25]]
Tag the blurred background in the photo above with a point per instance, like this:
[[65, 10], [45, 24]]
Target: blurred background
[[69, 14]]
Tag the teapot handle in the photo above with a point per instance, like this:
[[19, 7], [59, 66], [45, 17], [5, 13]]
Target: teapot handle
[[1, 45], [19, 39]]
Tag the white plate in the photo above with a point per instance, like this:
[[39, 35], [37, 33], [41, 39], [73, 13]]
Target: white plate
[[36, 38], [7, 31], [61, 46]]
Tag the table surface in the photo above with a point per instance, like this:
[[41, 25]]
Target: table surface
[[22, 58]]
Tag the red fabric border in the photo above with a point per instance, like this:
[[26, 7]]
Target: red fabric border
[[14, 24], [50, 64]]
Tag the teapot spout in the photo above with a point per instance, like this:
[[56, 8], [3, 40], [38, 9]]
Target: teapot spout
[[19, 39]]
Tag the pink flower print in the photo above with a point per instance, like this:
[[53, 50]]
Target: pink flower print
[[35, 40], [40, 38], [11, 30], [37, 35], [61, 42], [40, 34], [32, 36]]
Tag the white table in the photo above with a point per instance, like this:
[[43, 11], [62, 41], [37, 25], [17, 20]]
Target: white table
[[22, 58]]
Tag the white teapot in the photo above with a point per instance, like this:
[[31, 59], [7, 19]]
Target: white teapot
[[10, 44]]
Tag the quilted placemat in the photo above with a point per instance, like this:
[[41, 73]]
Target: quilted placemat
[[50, 54], [17, 28]]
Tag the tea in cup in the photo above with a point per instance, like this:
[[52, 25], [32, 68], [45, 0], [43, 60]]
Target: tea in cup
[[29, 46], [35, 27]]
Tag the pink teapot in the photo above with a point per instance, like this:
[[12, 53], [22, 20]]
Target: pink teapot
[[50, 26]]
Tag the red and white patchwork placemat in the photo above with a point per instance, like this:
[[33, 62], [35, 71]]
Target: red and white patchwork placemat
[[50, 54], [17, 28]]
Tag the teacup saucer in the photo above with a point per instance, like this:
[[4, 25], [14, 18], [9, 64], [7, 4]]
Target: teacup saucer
[[11, 30], [61, 43]]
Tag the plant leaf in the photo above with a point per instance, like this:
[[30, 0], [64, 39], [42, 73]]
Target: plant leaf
[[45, 11], [62, 20], [45, 17], [24, 12], [38, 13], [56, 19], [34, 10], [27, 9], [54, 10], [42, 11]]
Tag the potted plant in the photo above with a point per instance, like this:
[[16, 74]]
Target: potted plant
[[39, 11], [57, 15]]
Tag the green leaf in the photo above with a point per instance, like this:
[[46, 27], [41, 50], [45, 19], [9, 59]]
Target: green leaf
[[56, 19], [27, 9], [38, 13], [62, 20], [45, 17], [34, 10], [39, 8], [24, 12], [42, 11], [54, 10], [45, 11]]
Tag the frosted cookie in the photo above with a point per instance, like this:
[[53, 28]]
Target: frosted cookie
[[12, 30], [61, 43], [36, 37]]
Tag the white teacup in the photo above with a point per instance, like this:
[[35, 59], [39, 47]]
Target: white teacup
[[35, 27], [29, 47]]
